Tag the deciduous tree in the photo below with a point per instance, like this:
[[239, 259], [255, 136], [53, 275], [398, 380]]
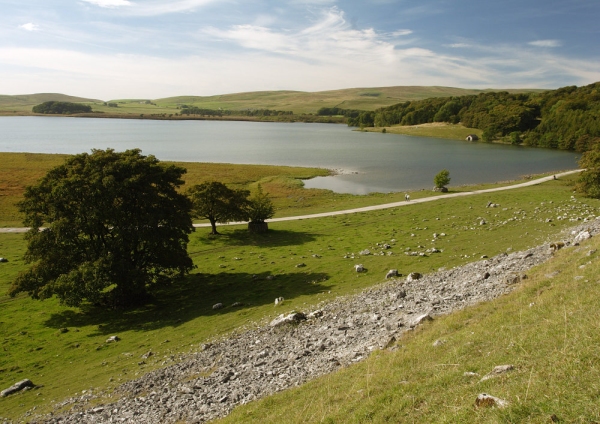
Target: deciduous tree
[[218, 203], [114, 224]]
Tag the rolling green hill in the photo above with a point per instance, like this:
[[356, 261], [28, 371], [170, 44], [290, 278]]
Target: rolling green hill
[[300, 102], [29, 100], [311, 102]]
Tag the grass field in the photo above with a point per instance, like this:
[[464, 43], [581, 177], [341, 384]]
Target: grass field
[[437, 130], [36, 346], [299, 102]]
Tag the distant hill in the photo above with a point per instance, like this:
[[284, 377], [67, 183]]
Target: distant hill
[[299, 102], [20, 100], [310, 102]]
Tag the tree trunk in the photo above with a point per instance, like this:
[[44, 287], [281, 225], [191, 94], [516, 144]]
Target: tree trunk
[[258, 227], [213, 225]]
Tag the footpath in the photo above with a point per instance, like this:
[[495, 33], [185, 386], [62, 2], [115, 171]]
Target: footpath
[[375, 207]]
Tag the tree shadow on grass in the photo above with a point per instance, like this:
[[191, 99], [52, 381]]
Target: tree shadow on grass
[[194, 297], [272, 238]]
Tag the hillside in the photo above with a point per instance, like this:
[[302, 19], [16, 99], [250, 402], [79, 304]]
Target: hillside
[[21, 100], [299, 102], [310, 102]]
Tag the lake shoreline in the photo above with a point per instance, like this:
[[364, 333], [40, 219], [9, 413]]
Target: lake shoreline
[[309, 119]]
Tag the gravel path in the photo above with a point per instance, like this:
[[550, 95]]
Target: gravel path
[[261, 361], [371, 208]]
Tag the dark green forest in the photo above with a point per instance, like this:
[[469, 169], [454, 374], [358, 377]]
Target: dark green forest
[[567, 118], [61, 108]]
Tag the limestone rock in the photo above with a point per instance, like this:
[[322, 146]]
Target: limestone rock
[[113, 339], [488, 401], [421, 319], [294, 317], [17, 387], [359, 268], [498, 370], [391, 273], [583, 235], [217, 306], [413, 276]]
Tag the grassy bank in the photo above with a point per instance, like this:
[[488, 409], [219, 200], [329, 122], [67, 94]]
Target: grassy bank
[[436, 129], [181, 318], [283, 183]]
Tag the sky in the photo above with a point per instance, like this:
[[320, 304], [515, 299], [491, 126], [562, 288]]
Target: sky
[[150, 49]]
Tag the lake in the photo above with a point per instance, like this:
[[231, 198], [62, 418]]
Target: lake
[[371, 162]]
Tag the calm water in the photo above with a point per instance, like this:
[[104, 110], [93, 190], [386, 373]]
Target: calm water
[[373, 161]]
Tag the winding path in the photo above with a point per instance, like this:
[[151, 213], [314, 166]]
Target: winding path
[[375, 207]]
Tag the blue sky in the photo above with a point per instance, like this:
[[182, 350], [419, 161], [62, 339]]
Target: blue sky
[[111, 49]]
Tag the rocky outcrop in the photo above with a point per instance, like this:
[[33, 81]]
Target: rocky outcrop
[[297, 347]]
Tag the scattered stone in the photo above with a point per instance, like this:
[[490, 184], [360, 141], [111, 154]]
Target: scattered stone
[[470, 374], [237, 304], [421, 319], [217, 306], [365, 252], [301, 265], [413, 276], [439, 342], [498, 370], [488, 401], [294, 317], [270, 277], [359, 268], [391, 273], [584, 235], [63, 330], [279, 300], [147, 355], [17, 387], [315, 314], [113, 339]]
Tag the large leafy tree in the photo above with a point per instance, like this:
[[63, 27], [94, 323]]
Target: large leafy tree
[[114, 224], [218, 203]]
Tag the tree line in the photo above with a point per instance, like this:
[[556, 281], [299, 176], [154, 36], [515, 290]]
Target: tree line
[[567, 118], [61, 108], [193, 110]]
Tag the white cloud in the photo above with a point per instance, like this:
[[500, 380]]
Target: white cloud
[[545, 43], [152, 7], [30, 27], [109, 3], [401, 32], [458, 45]]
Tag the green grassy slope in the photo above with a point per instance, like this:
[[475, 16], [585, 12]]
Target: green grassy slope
[[311, 102], [34, 99], [33, 345], [547, 329]]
